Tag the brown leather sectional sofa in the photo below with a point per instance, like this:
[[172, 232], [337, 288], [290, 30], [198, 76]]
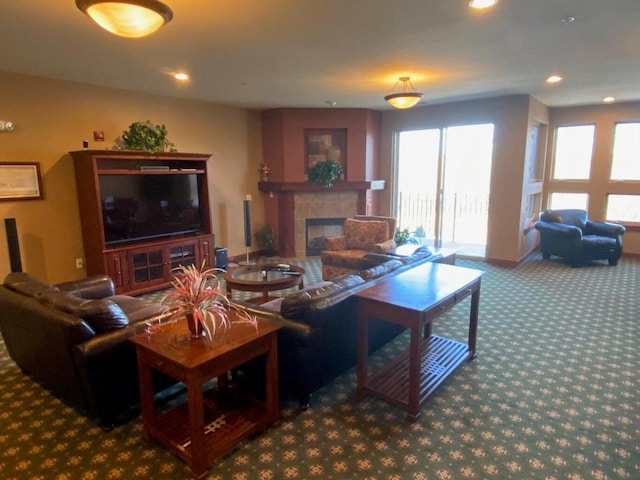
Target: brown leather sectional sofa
[[73, 338]]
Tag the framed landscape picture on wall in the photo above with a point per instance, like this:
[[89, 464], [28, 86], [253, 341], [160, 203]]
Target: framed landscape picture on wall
[[20, 181], [325, 144]]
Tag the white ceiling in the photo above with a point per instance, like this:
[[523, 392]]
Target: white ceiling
[[304, 53]]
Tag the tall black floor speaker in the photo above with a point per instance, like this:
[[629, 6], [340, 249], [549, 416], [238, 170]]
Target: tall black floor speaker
[[14, 246], [247, 223], [247, 228]]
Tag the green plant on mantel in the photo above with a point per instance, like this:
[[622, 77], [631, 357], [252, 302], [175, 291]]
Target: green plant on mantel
[[148, 137], [325, 173]]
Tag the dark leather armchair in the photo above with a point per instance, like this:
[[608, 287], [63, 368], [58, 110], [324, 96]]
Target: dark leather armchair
[[571, 235]]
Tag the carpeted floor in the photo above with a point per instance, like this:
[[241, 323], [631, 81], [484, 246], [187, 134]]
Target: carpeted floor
[[553, 394]]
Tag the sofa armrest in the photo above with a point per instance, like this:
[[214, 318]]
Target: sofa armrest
[[335, 243], [384, 246], [92, 287], [296, 329], [560, 229], [604, 229], [107, 366]]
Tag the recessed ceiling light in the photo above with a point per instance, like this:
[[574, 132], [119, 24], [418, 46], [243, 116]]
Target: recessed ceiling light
[[609, 99], [480, 4], [554, 79], [181, 76]]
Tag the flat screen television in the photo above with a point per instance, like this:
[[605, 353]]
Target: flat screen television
[[145, 207]]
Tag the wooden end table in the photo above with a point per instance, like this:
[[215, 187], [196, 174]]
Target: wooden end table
[[414, 298], [209, 423], [250, 278]]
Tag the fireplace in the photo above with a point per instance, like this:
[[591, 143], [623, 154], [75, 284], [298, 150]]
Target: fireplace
[[317, 229], [298, 201]]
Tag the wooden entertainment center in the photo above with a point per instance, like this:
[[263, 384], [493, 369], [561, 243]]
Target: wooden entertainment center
[[139, 262]]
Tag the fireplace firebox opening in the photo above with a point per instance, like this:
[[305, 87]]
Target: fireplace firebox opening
[[318, 229]]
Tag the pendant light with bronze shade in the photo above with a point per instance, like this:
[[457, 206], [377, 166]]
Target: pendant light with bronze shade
[[127, 18], [407, 98]]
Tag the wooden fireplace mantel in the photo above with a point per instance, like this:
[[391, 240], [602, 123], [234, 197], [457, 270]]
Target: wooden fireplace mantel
[[286, 192], [277, 187]]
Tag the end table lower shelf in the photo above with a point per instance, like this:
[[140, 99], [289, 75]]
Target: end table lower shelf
[[440, 357], [225, 421]]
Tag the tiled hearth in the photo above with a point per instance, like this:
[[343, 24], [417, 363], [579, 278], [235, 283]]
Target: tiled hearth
[[324, 204]]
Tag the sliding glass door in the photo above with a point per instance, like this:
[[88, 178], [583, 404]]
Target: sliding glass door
[[443, 178]]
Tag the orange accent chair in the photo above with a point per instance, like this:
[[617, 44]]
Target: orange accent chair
[[362, 235]]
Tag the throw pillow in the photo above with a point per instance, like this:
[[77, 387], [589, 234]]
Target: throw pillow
[[103, 315], [62, 301]]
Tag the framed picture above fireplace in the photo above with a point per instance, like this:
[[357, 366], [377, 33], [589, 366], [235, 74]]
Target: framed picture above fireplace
[[325, 144]]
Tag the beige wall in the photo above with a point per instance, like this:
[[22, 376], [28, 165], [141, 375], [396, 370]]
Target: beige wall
[[53, 117], [604, 117], [512, 117]]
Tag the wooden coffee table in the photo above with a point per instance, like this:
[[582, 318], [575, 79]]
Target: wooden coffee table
[[210, 423], [263, 278]]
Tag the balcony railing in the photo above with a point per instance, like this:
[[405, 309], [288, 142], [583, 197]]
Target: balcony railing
[[464, 219]]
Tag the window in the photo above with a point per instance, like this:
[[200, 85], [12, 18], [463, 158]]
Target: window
[[574, 146], [559, 201], [626, 152], [623, 208]]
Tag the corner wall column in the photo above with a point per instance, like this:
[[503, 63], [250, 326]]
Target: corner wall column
[[286, 233]]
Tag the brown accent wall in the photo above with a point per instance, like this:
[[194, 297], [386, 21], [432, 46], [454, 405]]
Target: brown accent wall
[[283, 140], [54, 117]]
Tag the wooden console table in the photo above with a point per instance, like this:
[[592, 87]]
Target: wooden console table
[[414, 298], [212, 422]]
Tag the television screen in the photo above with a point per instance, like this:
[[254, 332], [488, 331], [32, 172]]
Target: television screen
[[143, 207]]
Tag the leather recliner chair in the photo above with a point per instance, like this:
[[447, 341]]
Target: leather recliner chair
[[571, 235]]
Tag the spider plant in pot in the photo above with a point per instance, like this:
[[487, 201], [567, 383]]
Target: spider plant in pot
[[196, 295]]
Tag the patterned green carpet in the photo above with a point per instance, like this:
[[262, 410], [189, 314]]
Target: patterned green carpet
[[553, 394]]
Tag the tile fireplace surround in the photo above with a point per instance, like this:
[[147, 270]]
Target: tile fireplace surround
[[319, 205], [298, 201]]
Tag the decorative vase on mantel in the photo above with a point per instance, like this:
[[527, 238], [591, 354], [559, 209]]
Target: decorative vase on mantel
[[264, 171]]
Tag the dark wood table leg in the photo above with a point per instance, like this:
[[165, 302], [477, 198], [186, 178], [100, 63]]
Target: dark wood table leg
[[199, 464], [147, 407], [272, 402], [413, 407], [473, 322]]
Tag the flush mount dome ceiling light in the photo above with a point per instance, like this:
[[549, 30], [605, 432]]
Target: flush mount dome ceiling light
[[481, 4], [127, 18], [405, 99]]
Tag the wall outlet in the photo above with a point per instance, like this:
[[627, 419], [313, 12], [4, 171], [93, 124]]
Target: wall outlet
[[79, 262]]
